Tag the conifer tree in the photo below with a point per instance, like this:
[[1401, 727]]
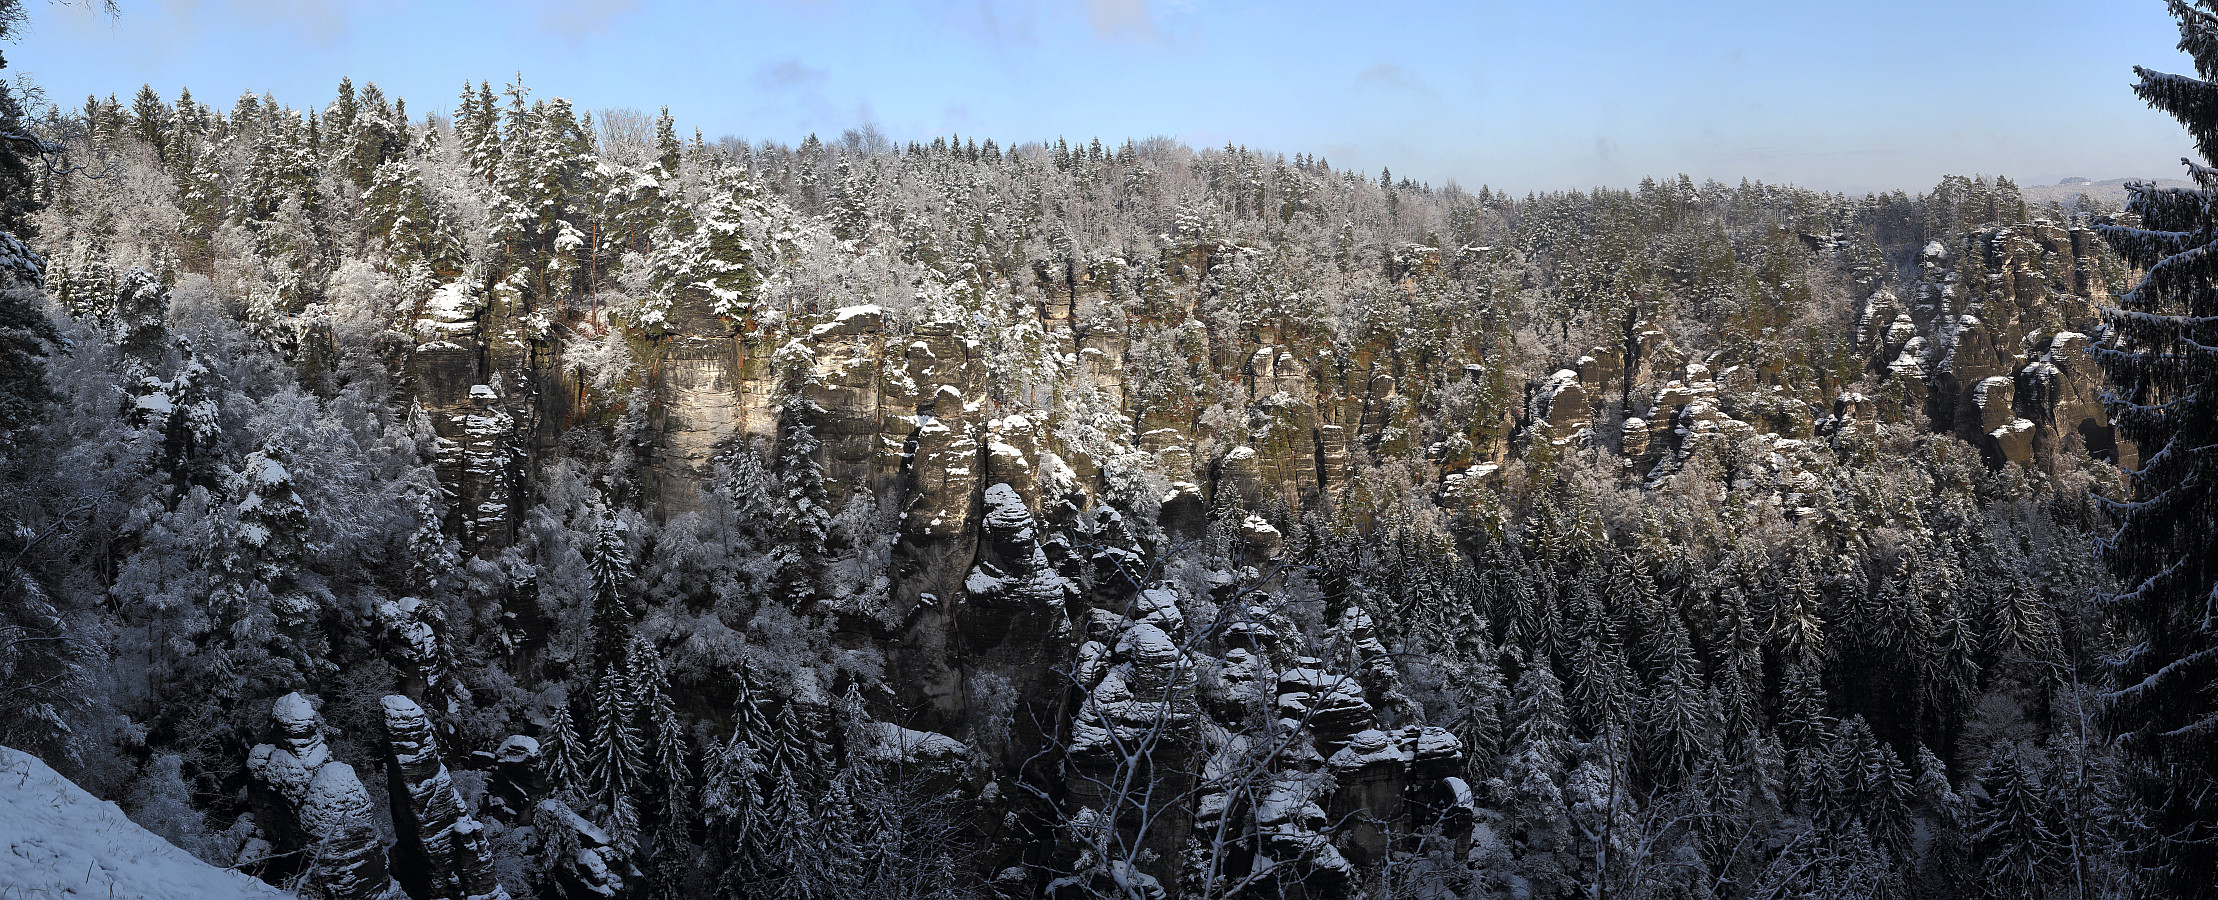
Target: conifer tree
[[1603, 693], [2012, 841], [2024, 623], [805, 522], [43, 663], [1676, 728], [1477, 685], [487, 145], [200, 198], [258, 596], [1942, 864], [668, 154], [671, 768], [151, 121], [343, 111], [1798, 621], [25, 334], [850, 201], [619, 754], [2162, 362], [732, 794], [562, 752], [412, 226], [713, 266], [1538, 721], [615, 606], [1540, 824]]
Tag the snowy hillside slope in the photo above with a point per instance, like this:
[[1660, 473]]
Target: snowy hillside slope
[[56, 840]]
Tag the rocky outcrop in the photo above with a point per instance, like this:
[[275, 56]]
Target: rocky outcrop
[[413, 635], [1013, 613], [1138, 709], [516, 777], [326, 804], [434, 826], [592, 866], [462, 394], [1042, 435], [1994, 344]]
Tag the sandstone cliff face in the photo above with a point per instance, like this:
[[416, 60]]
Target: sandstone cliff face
[[1015, 439], [1993, 347], [1997, 341], [1992, 343], [906, 407]]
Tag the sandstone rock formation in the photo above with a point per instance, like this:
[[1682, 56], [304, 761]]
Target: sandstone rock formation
[[1041, 436], [326, 803], [434, 826]]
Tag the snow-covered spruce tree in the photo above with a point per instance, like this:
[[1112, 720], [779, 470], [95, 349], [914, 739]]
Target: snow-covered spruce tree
[[615, 604], [477, 129], [24, 330], [734, 801], [264, 597], [413, 228], [619, 757], [708, 269], [667, 151], [40, 655], [805, 516], [565, 753], [2162, 361], [2013, 842], [24, 333], [666, 794]]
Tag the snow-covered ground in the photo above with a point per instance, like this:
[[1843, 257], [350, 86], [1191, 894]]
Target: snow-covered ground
[[56, 840]]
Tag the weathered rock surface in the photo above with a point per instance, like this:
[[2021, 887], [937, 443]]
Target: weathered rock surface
[[434, 826], [325, 803], [1009, 468], [1997, 341]]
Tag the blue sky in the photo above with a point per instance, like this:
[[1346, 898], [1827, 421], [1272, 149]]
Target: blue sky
[[1856, 96]]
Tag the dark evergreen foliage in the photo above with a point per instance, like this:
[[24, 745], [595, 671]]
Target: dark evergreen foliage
[[2164, 552]]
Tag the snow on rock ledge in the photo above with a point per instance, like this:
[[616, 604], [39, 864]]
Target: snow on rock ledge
[[56, 840], [328, 801], [894, 744]]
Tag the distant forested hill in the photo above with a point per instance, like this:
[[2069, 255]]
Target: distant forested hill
[[2108, 195]]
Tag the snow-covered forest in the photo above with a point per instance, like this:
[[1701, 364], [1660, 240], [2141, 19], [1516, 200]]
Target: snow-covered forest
[[536, 501]]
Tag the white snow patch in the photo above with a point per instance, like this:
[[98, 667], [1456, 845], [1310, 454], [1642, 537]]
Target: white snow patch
[[846, 315], [63, 842], [893, 743]]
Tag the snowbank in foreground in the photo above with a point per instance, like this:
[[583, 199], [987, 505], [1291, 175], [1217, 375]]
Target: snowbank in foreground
[[56, 840]]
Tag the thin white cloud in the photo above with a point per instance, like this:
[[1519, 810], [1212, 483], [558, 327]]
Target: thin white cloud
[[1389, 75], [792, 74], [320, 21], [1122, 19], [797, 89], [578, 19]]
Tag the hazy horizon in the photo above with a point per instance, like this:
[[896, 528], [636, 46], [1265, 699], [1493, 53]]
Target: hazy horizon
[[1569, 96]]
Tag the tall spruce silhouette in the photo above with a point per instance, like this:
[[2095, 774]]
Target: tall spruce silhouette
[[2162, 363]]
